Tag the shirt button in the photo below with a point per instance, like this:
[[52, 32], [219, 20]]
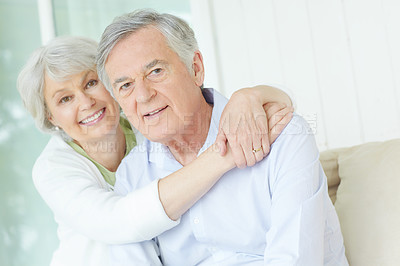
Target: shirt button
[[196, 220]]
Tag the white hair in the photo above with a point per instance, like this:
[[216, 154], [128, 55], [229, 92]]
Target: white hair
[[60, 59], [180, 37]]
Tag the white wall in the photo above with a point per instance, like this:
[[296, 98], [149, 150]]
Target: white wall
[[341, 59]]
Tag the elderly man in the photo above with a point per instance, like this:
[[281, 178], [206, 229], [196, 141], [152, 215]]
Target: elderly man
[[277, 212]]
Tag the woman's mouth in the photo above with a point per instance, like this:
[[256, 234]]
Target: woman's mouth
[[93, 119]]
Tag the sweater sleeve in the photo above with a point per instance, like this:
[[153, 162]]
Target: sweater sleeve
[[70, 186]]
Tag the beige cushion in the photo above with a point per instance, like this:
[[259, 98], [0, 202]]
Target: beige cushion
[[368, 203], [329, 161]]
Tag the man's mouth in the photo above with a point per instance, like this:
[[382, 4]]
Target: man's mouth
[[155, 112], [93, 118]]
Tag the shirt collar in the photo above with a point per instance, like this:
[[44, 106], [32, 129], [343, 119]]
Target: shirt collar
[[218, 101], [161, 155]]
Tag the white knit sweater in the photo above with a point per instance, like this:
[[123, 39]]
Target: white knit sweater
[[89, 215]]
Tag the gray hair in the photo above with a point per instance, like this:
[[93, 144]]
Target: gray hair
[[59, 59], [180, 37]]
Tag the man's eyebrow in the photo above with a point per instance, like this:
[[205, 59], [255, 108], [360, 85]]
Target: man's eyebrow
[[119, 80], [154, 63], [146, 67]]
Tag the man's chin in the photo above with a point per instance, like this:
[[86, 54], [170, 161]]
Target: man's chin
[[157, 134], [156, 137]]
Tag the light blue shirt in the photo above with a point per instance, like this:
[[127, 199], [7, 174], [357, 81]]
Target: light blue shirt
[[277, 212]]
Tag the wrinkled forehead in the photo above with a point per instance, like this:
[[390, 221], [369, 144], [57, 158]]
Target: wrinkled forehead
[[137, 52], [148, 40]]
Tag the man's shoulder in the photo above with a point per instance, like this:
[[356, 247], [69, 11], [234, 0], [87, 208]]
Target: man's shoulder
[[299, 126], [297, 131], [296, 138]]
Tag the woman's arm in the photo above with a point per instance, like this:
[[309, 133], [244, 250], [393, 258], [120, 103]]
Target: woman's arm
[[266, 94], [245, 122], [180, 190], [71, 187], [68, 184]]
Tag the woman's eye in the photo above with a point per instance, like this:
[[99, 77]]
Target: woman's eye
[[65, 99], [91, 83]]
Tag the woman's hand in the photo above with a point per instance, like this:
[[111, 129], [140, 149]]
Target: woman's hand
[[250, 122], [278, 115]]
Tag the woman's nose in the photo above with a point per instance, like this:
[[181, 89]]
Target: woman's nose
[[86, 101]]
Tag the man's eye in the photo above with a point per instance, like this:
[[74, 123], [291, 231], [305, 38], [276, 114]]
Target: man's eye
[[65, 99], [157, 71], [126, 86], [91, 83]]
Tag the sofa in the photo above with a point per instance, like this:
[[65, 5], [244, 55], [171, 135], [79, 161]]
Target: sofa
[[364, 186]]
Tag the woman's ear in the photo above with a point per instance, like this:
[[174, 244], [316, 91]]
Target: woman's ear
[[51, 119], [198, 68]]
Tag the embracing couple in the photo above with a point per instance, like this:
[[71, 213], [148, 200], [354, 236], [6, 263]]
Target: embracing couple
[[203, 187]]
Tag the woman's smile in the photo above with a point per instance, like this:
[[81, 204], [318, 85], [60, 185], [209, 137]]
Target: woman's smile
[[94, 118], [85, 104]]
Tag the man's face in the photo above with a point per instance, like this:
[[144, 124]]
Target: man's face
[[153, 86]]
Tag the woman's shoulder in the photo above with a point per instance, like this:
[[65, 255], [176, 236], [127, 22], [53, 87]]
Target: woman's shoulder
[[60, 158], [56, 147]]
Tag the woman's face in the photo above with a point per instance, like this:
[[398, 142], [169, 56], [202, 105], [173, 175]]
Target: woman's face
[[82, 107]]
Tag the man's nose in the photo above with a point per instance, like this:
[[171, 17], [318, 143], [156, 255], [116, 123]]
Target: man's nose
[[144, 91]]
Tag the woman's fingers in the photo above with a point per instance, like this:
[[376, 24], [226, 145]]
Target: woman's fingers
[[263, 137], [251, 136], [272, 108], [250, 127], [279, 125], [237, 151]]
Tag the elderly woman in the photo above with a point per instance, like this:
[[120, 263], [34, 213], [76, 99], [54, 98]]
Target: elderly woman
[[75, 173]]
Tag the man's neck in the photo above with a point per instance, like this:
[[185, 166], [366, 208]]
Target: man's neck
[[186, 145]]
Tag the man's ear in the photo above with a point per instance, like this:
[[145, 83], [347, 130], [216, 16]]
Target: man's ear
[[198, 68]]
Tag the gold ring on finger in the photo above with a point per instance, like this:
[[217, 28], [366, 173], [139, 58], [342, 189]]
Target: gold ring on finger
[[256, 150]]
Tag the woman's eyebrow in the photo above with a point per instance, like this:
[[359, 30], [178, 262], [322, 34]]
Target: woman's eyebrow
[[84, 77]]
